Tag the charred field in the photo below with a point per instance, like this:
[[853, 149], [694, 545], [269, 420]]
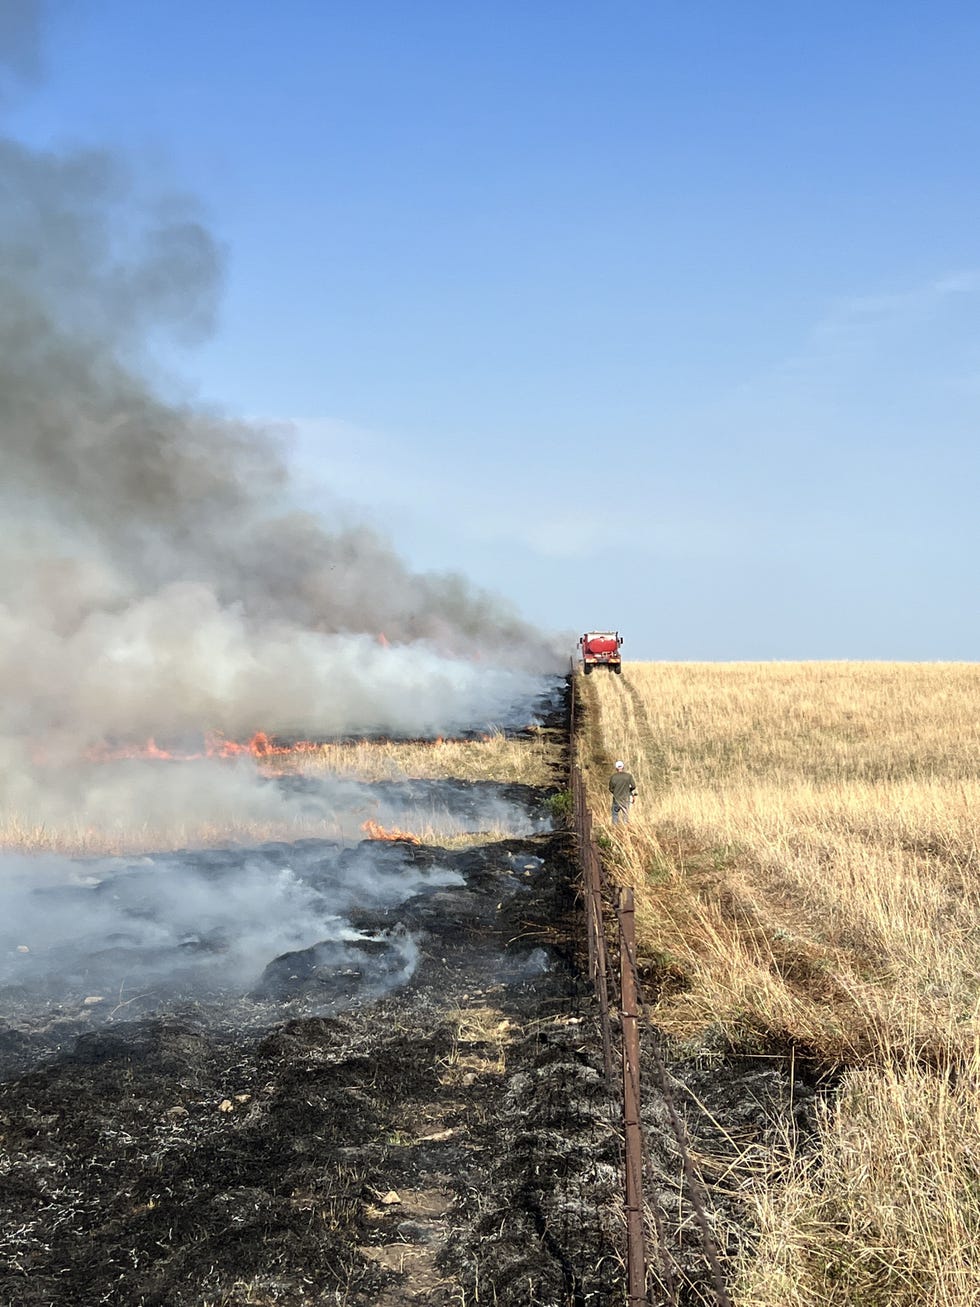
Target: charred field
[[407, 1107], [303, 1146]]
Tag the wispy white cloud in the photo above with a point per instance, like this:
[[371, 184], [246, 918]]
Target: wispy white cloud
[[803, 456], [616, 508], [863, 320], [873, 348], [958, 283]]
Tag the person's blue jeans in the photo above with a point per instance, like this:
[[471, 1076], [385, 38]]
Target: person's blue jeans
[[619, 814]]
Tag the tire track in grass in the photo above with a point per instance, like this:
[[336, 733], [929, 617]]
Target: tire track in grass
[[649, 747]]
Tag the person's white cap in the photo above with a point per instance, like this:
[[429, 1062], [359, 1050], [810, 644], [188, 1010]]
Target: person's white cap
[[620, 766]]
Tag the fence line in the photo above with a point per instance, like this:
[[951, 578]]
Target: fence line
[[609, 912]]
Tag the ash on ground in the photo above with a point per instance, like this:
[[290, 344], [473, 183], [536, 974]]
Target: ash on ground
[[399, 1112]]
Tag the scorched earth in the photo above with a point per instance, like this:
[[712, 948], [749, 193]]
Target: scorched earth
[[322, 1071]]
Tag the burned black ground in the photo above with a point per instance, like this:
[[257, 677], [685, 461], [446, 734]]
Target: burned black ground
[[308, 1144]]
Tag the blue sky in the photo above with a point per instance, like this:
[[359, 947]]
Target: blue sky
[[648, 315]]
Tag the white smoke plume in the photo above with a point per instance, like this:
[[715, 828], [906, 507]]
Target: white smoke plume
[[207, 922], [155, 576]]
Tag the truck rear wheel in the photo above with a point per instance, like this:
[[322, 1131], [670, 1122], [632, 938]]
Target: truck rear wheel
[[587, 668], [618, 669]]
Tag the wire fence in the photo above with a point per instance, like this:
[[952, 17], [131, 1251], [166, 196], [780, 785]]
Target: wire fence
[[651, 1277]]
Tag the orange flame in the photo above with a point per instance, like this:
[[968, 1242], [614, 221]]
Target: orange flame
[[376, 832], [216, 745], [259, 746]]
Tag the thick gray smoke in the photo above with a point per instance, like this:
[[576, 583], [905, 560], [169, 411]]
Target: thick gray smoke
[[158, 580], [155, 577]]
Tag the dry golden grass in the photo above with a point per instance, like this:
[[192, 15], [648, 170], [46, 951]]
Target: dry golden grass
[[805, 857], [480, 1039], [528, 760], [804, 847], [888, 1213]]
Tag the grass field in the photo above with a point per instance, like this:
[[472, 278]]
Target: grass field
[[805, 857]]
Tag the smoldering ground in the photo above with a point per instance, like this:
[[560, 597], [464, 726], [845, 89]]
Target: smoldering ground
[[207, 923], [377, 1153]]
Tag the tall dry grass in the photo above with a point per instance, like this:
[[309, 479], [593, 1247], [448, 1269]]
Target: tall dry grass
[[805, 856], [530, 759], [805, 847], [887, 1214]]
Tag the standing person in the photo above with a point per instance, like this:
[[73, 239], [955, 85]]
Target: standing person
[[623, 790]]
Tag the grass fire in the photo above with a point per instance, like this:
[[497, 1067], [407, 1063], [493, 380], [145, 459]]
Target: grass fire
[[299, 1005]]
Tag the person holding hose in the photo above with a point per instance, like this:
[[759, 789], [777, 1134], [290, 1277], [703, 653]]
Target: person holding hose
[[623, 790]]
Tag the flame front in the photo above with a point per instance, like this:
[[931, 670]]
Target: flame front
[[376, 832], [216, 745]]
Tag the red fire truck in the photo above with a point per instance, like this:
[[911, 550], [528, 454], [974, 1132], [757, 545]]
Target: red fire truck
[[601, 649]]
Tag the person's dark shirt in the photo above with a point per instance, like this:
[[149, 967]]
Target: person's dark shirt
[[622, 787]]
